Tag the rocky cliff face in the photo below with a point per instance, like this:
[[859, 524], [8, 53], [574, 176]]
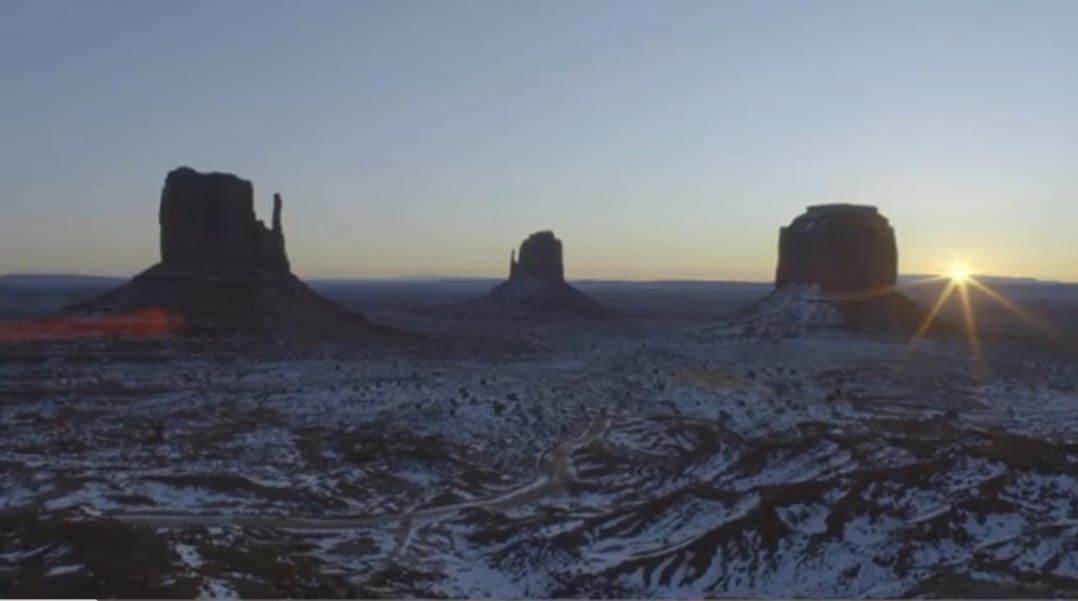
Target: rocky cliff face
[[208, 221], [839, 248], [838, 265], [540, 258]]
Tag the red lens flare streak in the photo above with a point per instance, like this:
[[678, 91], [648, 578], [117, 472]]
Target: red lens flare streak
[[146, 323]]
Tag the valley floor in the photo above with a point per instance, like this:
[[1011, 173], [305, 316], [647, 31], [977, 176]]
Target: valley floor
[[569, 461]]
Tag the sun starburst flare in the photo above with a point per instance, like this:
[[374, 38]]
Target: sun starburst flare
[[960, 280]]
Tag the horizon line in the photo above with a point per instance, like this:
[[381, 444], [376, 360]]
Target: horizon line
[[437, 277]]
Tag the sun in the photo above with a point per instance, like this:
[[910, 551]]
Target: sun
[[959, 274], [961, 282]]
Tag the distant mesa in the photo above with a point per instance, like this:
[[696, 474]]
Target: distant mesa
[[536, 286], [222, 270]]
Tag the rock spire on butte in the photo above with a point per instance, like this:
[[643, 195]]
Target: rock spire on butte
[[208, 222], [222, 270], [536, 286]]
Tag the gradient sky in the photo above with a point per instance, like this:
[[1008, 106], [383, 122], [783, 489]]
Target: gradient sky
[[657, 139]]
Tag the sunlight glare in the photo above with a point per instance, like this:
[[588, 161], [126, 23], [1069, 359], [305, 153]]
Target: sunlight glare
[[959, 274], [961, 281]]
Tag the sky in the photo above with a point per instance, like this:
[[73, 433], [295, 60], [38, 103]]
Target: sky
[[659, 140]]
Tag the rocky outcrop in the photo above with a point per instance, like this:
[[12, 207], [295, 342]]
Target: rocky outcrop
[[837, 267], [222, 271], [839, 248], [536, 287], [208, 221], [540, 258]]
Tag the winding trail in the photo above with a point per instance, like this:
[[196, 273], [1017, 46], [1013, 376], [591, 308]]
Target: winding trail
[[555, 467]]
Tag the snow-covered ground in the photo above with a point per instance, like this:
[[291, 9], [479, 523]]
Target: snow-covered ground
[[596, 463]]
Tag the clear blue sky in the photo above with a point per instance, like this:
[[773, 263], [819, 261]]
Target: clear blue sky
[[658, 139]]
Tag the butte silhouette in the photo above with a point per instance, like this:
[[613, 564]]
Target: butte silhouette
[[223, 271], [536, 287], [849, 256]]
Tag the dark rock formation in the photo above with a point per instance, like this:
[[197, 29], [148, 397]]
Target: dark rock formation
[[222, 270], [840, 248], [208, 221], [540, 258], [844, 257], [536, 287]]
